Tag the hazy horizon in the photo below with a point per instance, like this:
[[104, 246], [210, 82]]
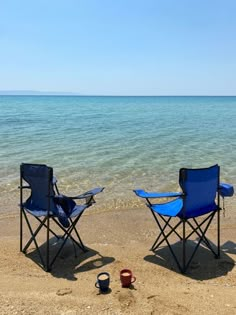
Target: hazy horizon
[[58, 93]]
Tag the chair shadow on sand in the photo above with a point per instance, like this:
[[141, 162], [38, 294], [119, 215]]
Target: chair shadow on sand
[[71, 260], [229, 247], [203, 266]]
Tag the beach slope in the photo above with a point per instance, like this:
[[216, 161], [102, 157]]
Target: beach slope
[[117, 240]]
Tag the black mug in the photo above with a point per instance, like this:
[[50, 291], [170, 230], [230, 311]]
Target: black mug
[[103, 281]]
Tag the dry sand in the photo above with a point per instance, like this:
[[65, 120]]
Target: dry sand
[[117, 240]]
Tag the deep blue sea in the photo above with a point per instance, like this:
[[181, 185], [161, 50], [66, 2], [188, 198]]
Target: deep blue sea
[[121, 143]]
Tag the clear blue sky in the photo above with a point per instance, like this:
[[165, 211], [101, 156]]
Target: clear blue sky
[[119, 47]]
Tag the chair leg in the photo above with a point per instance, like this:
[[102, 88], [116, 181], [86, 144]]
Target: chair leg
[[218, 232], [47, 267], [67, 234], [162, 230], [21, 230], [33, 238], [45, 225], [184, 248], [33, 234], [201, 234], [81, 243], [46, 262], [201, 239], [165, 238], [69, 231], [159, 236], [21, 215]]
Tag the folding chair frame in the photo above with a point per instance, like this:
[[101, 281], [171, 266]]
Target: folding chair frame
[[48, 261], [197, 229], [185, 213]]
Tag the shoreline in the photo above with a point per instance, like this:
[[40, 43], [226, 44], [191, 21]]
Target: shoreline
[[104, 202]]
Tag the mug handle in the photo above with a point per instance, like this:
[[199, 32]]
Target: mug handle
[[97, 285], [133, 279]]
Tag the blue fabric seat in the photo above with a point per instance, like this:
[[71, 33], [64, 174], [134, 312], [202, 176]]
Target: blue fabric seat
[[170, 209], [45, 203], [195, 206]]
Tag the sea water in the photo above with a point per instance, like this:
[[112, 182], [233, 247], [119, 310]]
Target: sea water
[[120, 143]]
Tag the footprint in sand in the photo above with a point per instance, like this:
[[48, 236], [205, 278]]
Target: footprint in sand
[[64, 291], [126, 299]]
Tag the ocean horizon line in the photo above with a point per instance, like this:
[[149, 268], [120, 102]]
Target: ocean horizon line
[[72, 94]]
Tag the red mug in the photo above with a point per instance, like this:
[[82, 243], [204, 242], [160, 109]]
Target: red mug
[[126, 278]]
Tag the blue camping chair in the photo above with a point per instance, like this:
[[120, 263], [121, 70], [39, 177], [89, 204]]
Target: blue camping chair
[[45, 203], [194, 207]]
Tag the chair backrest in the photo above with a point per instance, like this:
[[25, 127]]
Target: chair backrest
[[40, 179], [200, 187]]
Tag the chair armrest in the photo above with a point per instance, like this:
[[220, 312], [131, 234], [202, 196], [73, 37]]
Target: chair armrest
[[89, 193], [226, 190], [143, 194]]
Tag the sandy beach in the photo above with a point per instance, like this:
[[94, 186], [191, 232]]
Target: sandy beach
[[117, 240]]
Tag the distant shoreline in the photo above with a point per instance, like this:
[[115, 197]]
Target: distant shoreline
[[95, 95]]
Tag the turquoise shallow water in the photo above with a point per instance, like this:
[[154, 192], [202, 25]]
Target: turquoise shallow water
[[121, 143]]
